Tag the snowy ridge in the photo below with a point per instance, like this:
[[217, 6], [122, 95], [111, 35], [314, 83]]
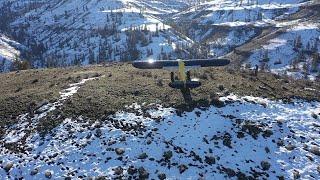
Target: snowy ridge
[[248, 137]]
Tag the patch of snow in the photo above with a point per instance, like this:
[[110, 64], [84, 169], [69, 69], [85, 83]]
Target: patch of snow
[[275, 43], [211, 143], [27, 123]]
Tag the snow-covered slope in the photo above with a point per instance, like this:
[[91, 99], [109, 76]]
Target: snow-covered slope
[[247, 138], [224, 25], [265, 30], [62, 33], [82, 32], [9, 52], [294, 52]]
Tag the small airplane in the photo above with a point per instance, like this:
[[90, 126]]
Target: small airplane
[[184, 81]]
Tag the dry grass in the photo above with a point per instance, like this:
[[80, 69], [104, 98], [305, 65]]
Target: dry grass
[[122, 85], [19, 89]]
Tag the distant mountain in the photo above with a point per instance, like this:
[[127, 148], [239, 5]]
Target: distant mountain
[[62, 33], [277, 35]]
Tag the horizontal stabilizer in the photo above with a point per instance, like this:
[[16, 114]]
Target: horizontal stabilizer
[[182, 84], [175, 63]]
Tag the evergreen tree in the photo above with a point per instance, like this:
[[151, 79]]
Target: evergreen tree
[[315, 63], [91, 57]]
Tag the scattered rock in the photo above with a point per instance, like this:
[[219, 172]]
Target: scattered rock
[[198, 113], [34, 172], [143, 156], [34, 81], [167, 155], [210, 160], [215, 101], [48, 174], [112, 142], [95, 75], [280, 143], [240, 135], [290, 147], [242, 176], [119, 151], [227, 140], [316, 125], [230, 172], [314, 116], [252, 129], [315, 150], [88, 136], [195, 156], [18, 89], [310, 158], [136, 93], [40, 107], [318, 169], [8, 166], [182, 168], [267, 150], [221, 87], [162, 176], [132, 170], [98, 132], [159, 82], [296, 174], [267, 133], [143, 174], [280, 122], [118, 170], [265, 165]]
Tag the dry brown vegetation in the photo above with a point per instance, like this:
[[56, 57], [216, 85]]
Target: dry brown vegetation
[[20, 89], [120, 85], [123, 85]]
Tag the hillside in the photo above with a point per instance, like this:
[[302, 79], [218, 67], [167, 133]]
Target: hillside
[[279, 36], [122, 122], [72, 105], [65, 33]]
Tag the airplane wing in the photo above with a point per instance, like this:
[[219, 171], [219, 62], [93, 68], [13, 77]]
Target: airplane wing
[[194, 63]]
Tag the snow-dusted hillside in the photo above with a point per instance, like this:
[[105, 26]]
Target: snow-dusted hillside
[[9, 52], [228, 24], [248, 137], [271, 28], [294, 52], [81, 32], [62, 33]]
